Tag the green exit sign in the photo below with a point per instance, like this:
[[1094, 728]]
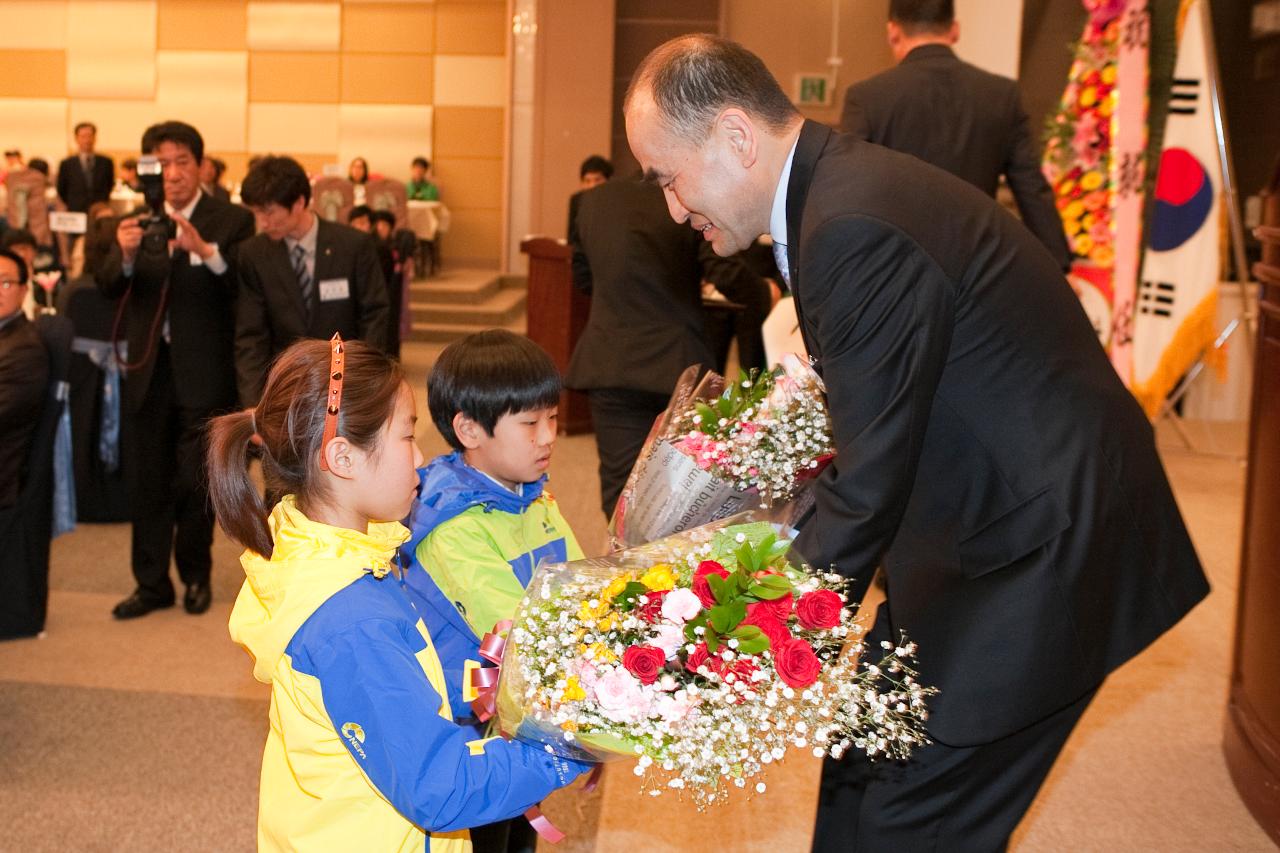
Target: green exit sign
[[813, 90]]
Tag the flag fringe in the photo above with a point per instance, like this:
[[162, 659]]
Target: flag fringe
[[1193, 340]]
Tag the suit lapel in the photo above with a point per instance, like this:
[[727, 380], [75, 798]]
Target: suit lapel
[[278, 254], [813, 139], [324, 253]]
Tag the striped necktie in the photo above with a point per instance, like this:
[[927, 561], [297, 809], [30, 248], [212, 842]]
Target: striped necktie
[[780, 257], [305, 284]]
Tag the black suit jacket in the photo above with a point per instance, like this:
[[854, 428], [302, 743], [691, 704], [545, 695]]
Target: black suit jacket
[[270, 314], [75, 192], [644, 273], [24, 382], [200, 307], [987, 454], [962, 119]]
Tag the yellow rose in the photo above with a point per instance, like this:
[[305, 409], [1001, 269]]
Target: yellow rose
[[1086, 221], [1084, 243], [659, 577], [1109, 74], [1088, 97], [1102, 255], [1071, 225], [572, 691], [1074, 210], [598, 651], [616, 586], [1108, 105], [1091, 181]]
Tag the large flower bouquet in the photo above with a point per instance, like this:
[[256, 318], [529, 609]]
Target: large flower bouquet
[[706, 655], [723, 447]]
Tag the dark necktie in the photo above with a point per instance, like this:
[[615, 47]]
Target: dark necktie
[[86, 163], [305, 284]]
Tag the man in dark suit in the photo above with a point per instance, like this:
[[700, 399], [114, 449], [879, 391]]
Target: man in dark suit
[[24, 377], [644, 274], [300, 277], [85, 177], [594, 171], [178, 293], [989, 459], [954, 115]]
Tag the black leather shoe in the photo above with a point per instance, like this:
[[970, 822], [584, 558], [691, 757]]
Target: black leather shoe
[[137, 605], [197, 598]]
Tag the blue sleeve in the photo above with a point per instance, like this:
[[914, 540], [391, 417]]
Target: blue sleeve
[[386, 712]]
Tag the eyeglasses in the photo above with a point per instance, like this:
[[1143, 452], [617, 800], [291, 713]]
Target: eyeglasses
[[9, 284], [334, 397]]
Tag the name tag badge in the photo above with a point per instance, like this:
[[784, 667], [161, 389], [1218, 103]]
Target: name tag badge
[[334, 288]]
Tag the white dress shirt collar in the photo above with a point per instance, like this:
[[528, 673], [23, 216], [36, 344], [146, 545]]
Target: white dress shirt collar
[[778, 218]]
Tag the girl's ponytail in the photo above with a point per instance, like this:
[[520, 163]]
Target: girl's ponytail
[[235, 499]]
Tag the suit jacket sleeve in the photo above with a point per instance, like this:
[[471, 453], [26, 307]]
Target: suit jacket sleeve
[[253, 334], [881, 311], [110, 276], [64, 178], [1031, 190], [581, 266], [24, 379], [731, 276], [371, 291], [853, 118]]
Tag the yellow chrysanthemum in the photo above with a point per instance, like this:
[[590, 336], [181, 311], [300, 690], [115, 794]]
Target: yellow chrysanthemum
[[1086, 221], [1091, 181], [1072, 226], [598, 651], [1083, 244], [659, 577]]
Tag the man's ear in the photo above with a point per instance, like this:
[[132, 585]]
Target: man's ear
[[739, 131], [469, 432], [342, 457], [954, 34]]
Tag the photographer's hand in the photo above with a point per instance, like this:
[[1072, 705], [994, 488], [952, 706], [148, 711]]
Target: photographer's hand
[[189, 239], [129, 236]]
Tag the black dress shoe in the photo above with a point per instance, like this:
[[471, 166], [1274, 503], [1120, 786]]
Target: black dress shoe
[[139, 604], [197, 598]]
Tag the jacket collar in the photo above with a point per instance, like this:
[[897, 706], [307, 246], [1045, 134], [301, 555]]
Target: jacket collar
[[449, 487], [926, 52]]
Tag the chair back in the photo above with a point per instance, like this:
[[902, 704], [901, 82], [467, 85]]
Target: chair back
[[27, 206], [388, 194], [332, 198]]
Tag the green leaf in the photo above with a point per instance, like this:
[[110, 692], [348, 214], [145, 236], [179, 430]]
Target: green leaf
[[713, 639], [626, 600], [718, 588], [726, 617], [766, 593]]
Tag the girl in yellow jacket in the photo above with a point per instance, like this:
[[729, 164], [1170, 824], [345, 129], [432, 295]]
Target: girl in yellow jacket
[[362, 753]]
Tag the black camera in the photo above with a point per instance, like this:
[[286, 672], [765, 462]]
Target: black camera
[[158, 228]]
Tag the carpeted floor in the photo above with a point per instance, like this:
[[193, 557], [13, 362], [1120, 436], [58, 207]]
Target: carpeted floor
[[147, 735]]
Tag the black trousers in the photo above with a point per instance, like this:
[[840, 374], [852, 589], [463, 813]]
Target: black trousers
[[622, 419], [169, 491], [945, 799]]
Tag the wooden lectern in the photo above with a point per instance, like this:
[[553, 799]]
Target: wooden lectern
[[1252, 739], [557, 314]]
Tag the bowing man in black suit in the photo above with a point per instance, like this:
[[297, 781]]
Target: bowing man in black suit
[[300, 277], [943, 110], [988, 458], [85, 177], [644, 274], [177, 296]]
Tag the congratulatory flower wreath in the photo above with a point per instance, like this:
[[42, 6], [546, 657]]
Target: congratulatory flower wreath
[[706, 655]]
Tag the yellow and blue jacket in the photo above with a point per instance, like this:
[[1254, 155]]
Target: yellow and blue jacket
[[362, 753]]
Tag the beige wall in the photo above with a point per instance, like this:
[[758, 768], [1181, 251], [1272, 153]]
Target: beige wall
[[324, 81]]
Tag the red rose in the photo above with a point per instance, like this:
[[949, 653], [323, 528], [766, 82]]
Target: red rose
[[701, 588], [796, 663], [739, 669], [697, 657], [761, 615], [819, 609], [644, 662], [651, 610]]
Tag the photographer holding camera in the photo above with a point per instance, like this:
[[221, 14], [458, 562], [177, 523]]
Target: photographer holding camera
[[173, 268]]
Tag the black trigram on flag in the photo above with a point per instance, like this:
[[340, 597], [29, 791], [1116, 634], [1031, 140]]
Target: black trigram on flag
[[1184, 98], [1156, 297]]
